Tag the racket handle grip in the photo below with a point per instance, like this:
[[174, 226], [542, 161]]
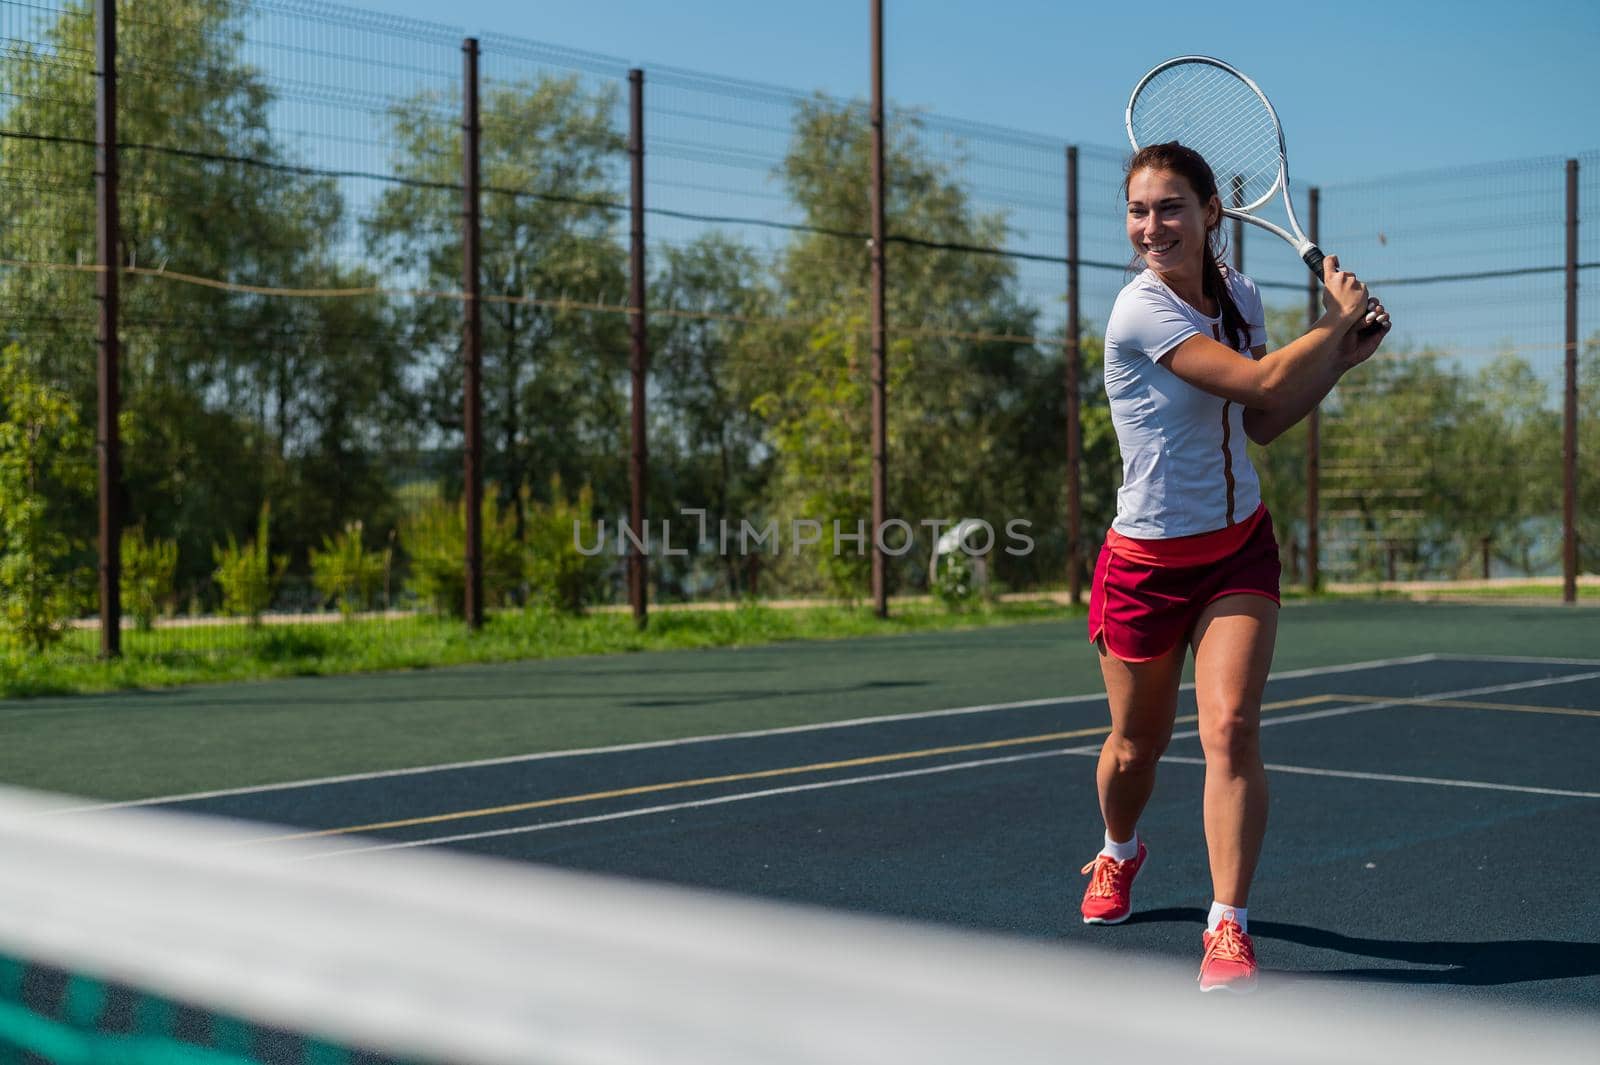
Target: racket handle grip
[[1313, 259]]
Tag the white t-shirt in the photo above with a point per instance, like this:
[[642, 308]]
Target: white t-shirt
[[1185, 469]]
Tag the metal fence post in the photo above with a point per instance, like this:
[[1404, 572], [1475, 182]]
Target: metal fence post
[[1074, 384], [109, 235], [638, 465], [1569, 432], [1313, 424], [472, 337], [880, 342]]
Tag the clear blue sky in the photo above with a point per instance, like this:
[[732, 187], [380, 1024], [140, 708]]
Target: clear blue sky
[[1363, 88]]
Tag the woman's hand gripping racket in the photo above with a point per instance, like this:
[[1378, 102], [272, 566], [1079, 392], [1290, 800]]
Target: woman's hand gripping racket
[[1207, 105]]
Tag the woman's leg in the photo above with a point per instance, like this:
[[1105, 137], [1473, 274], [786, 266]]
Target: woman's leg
[[1144, 702], [1233, 643]]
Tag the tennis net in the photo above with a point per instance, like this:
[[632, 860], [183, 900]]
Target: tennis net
[[153, 938]]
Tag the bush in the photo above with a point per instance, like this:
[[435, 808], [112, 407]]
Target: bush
[[345, 572], [249, 575], [559, 575], [148, 567], [956, 585], [435, 540]]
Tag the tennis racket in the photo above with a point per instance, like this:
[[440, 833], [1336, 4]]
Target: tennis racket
[[1205, 104]]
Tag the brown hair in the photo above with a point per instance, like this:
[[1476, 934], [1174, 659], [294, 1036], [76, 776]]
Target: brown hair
[[1189, 165]]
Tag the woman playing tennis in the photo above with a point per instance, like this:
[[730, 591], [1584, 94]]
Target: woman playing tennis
[[1190, 560]]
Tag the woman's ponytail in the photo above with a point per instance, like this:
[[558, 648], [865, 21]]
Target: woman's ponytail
[[1215, 285]]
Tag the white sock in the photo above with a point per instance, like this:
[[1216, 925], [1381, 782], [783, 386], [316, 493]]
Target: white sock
[[1121, 851], [1240, 914]]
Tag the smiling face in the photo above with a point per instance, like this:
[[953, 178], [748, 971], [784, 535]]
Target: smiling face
[[1167, 223]]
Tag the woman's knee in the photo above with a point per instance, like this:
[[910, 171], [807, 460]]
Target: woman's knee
[[1135, 754], [1232, 736]]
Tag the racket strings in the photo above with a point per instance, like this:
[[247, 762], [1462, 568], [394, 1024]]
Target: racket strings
[[1218, 115]]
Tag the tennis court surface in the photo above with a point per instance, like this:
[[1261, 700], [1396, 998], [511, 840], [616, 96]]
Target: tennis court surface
[[1430, 852]]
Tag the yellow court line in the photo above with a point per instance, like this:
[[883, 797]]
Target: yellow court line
[[730, 778], [1456, 704]]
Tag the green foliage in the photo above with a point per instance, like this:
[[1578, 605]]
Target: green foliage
[[559, 575], [554, 399], [977, 421], [236, 398], [434, 538], [1588, 510], [148, 567], [44, 466], [1101, 466], [708, 450], [346, 572], [1501, 471], [1425, 461], [956, 582], [818, 426], [759, 377], [1281, 465], [249, 575]]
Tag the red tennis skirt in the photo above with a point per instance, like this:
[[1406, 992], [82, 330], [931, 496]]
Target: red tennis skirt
[[1143, 610]]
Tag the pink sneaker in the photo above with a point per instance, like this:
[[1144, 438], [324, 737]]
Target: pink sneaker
[[1230, 961], [1108, 899]]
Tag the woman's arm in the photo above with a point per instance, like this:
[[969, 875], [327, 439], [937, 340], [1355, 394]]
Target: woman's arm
[[1354, 348], [1280, 388], [1264, 425], [1270, 383]]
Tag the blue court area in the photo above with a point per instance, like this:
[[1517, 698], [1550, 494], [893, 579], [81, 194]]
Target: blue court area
[[1432, 822]]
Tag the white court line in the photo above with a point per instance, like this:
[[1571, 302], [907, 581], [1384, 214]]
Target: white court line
[[1396, 778], [1516, 658], [693, 804], [384, 774], [1091, 749], [1410, 700]]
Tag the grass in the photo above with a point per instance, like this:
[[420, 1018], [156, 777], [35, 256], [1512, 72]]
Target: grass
[[178, 655], [1548, 590], [204, 654]]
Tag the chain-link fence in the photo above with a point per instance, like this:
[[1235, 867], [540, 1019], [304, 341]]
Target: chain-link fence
[[291, 318]]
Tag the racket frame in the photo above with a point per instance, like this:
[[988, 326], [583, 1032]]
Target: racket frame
[[1309, 253]]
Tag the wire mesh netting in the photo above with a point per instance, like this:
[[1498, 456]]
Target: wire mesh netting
[[274, 360], [1444, 457], [291, 318]]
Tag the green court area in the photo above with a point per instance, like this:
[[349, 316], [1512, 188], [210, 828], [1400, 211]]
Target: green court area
[[129, 745]]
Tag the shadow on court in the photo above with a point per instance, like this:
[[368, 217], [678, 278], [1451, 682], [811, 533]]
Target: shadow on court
[[1508, 961]]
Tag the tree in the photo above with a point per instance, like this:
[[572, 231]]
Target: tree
[[1101, 456], [1500, 470], [553, 379], [975, 421], [1588, 510], [44, 461], [228, 393], [707, 445], [1387, 426], [1281, 465]]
